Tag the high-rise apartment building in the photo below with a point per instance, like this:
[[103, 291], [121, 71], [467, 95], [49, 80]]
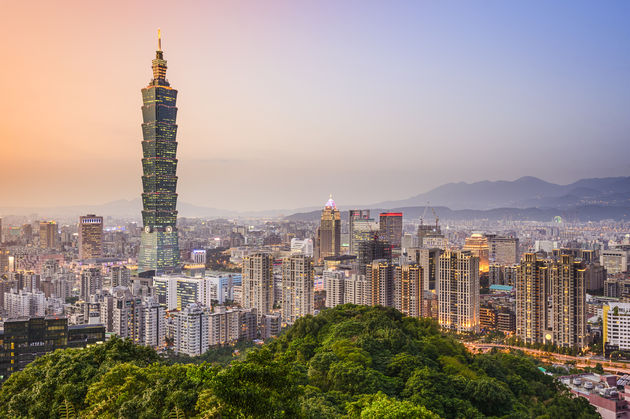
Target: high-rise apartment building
[[297, 287], [48, 235], [391, 227], [334, 286], [551, 300], [458, 291], [91, 281], [532, 282], [408, 289], [90, 237], [154, 317], [257, 283], [380, 277], [329, 231], [567, 278], [191, 330], [428, 259], [159, 249]]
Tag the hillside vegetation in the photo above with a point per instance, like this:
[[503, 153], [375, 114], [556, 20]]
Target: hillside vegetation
[[351, 361]]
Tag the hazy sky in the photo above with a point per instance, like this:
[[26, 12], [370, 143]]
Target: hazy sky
[[282, 102]]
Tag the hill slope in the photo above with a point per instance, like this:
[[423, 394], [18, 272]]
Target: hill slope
[[351, 361]]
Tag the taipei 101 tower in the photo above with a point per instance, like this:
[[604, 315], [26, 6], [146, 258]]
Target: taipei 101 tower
[[159, 248]]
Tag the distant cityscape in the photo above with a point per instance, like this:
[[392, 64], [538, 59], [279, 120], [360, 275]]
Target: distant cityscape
[[189, 284]]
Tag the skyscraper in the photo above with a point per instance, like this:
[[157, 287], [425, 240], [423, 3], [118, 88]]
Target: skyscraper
[[531, 299], [408, 289], [257, 283], [458, 291], [380, 276], [159, 249], [48, 235], [355, 215], [477, 244], [90, 237], [568, 302], [297, 287], [391, 226], [329, 231]]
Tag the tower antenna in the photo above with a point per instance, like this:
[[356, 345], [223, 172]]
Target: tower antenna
[[159, 40]]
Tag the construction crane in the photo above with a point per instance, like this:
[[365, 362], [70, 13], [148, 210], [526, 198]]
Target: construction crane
[[424, 214], [437, 219]]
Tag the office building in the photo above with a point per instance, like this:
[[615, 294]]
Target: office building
[[199, 256], [614, 260], [48, 235], [23, 340], [458, 291], [257, 283], [390, 226], [297, 287], [477, 244], [502, 250], [358, 222], [329, 231], [371, 250], [159, 249], [502, 274], [90, 237]]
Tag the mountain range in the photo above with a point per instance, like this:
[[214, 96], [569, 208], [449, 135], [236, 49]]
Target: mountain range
[[526, 198], [525, 192]]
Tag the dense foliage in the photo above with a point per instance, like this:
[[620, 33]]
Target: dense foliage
[[351, 361]]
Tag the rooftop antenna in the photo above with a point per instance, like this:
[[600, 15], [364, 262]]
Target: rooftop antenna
[[159, 40]]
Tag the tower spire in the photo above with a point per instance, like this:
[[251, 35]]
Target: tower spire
[[159, 40]]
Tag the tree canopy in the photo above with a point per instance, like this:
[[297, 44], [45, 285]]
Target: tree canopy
[[350, 361]]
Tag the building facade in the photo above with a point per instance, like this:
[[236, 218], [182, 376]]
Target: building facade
[[159, 248], [458, 291]]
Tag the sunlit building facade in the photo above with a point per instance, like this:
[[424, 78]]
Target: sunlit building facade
[[329, 231], [90, 237], [159, 249], [477, 244], [458, 291]]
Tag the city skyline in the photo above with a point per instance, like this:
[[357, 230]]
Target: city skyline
[[283, 80]]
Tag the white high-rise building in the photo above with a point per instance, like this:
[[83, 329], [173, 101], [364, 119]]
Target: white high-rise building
[[91, 281], [458, 291], [334, 286], [297, 287], [616, 329], [614, 260], [357, 290], [302, 247], [178, 291], [199, 256], [154, 323], [191, 330], [24, 304]]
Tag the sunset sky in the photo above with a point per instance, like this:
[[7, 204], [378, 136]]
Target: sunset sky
[[283, 102]]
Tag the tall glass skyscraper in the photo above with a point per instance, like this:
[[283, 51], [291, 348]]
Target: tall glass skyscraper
[[159, 249]]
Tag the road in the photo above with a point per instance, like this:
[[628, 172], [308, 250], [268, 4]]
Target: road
[[580, 361]]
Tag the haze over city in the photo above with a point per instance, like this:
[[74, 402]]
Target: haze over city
[[281, 104]]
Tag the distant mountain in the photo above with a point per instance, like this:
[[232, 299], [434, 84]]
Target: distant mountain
[[524, 192], [580, 213]]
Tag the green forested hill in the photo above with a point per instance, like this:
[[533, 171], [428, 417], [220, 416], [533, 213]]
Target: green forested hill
[[351, 361]]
